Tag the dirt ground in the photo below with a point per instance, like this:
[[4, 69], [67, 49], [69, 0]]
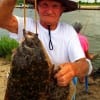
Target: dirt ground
[[93, 92], [93, 89], [4, 70]]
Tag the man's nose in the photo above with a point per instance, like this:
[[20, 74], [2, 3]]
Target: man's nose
[[50, 9]]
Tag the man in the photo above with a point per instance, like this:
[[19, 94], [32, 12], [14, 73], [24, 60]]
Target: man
[[63, 52]]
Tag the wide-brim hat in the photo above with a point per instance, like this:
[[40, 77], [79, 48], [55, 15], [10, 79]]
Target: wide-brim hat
[[68, 4]]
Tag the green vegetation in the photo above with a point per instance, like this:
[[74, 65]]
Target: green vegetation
[[81, 3], [19, 1], [6, 46], [90, 4]]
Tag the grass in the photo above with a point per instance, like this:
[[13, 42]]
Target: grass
[[7, 44]]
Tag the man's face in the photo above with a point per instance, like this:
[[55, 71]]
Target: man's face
[[49, 11]]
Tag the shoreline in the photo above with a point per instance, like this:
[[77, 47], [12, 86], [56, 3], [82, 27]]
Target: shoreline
[[22, 6], [82, 7]]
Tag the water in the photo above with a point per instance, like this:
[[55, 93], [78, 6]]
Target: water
[[89, 18]]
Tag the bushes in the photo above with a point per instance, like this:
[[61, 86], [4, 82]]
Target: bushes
[[6, 46], [89, 4]]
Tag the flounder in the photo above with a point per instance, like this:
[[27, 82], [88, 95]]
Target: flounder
[[31, 73]]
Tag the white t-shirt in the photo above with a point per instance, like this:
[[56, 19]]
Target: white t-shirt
[[66, 45]]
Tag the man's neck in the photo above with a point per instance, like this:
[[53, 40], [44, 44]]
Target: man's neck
[[52, 26]]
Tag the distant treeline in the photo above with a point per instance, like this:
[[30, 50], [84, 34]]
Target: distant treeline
[[20, 1], [87, 3], [83, 3]]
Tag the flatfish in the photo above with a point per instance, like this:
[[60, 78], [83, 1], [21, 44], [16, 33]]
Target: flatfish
[[31, 73]]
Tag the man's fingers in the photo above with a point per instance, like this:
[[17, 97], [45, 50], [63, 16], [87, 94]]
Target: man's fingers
[[64, 80]]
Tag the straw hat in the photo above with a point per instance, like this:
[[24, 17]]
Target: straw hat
[[68, 4]]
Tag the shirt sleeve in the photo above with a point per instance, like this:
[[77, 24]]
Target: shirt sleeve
[[20, 27], [75, 50]]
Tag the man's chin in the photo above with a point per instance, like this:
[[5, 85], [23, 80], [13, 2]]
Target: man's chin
[[50, 23]]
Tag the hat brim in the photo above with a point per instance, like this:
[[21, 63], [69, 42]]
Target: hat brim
[[68, 4]]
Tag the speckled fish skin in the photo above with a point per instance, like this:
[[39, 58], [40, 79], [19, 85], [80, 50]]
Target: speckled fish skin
[[31, 74]]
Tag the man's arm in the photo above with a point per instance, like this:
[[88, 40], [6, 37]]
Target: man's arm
[[68, 71], [7, 20]]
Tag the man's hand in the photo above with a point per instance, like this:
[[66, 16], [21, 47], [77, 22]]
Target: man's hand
[[65, 74], [68, 71]]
